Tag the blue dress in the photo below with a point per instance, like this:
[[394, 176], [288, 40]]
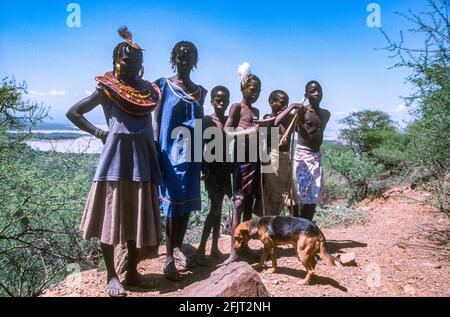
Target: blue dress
[[180, 115]]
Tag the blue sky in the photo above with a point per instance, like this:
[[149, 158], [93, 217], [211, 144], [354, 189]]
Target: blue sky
[[287, 43]]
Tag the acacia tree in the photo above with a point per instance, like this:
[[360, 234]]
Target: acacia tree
[[16, 113], [430, 101], [373, 134], [366, 130], [41, 199]]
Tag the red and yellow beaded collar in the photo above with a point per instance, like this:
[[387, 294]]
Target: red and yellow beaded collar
[[138, 102]]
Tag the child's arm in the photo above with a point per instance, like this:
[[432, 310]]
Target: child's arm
[[268, 121], [326, 117], [77, 112], [256, 112], [285, 113], [156, 122], [237, 132], [232, 125]]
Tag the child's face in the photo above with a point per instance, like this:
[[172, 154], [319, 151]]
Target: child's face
[[220, 101], [252, 91], [184, 59], [314, 94], [130, 63], [279, 103]]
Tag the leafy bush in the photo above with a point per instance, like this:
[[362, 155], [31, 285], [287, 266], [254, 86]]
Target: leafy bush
[[42, 197], [358, 173], [40, 211], [335, 186], [428, 151], [392, 152]]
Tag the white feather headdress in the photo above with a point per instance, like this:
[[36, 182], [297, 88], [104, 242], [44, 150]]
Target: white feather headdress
[[244, 71]]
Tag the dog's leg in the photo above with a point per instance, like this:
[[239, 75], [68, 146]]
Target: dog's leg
[[304, 256], [264, 255], [311, 265], [273, 254]]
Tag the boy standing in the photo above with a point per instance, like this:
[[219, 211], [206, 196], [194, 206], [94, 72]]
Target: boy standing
[[277, 189], [217, 177], [247, 174], [308, 163]]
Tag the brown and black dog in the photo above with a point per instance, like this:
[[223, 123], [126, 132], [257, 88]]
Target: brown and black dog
[[273, 231]]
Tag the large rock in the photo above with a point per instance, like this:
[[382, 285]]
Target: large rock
[[234, 280]]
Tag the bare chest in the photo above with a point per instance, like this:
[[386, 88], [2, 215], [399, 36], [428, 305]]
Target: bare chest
[[312, 119], [246, 118]]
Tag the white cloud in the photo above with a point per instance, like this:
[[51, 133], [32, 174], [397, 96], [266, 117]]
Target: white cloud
[[36, 93], [88, 92], [57, 93], [340, 113]]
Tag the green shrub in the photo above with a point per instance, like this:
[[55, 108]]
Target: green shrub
[[358, 173], [339, 216], [42, 198], [40, 211], [428, 151]]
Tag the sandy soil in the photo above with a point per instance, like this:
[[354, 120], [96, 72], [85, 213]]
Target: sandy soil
[[402, 250]]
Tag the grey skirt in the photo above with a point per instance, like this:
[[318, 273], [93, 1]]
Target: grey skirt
[[122, 211]]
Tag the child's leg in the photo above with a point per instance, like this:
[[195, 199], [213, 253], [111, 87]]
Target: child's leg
[[247, 208], [200, 257], [247, 212], [114, 287], [170, 270], [133, 278], [235, 220], [170, 237], [181, 224], [181, 227], [216, 228], [308, 212], [132, 258], [175, 231], [209, 222], [295, 211]]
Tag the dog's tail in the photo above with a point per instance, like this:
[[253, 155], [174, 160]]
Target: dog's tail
[[324, 255]]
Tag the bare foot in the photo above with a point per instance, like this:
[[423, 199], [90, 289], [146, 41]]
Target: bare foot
[[200, 259], [230, 260], [171, 273], [114, 288], [215, 253], [139, 281], [273, 270], [182, 259]]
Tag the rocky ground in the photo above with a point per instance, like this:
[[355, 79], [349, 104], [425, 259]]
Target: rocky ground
[[402, 250]]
